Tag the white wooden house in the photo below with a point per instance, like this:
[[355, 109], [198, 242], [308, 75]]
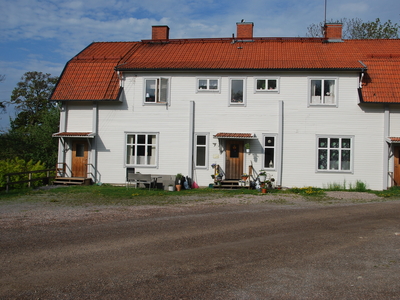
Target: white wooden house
[[315, 111]]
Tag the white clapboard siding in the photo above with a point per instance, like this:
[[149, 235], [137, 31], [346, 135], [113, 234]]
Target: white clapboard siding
[[80, 117]]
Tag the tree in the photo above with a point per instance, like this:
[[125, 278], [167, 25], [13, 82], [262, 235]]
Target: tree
[[31, 98], [30, 135], [357, 29]]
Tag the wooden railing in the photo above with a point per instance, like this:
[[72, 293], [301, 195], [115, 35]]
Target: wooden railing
[[46, 179]]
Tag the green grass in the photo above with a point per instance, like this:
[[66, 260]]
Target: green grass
[[112, 195]]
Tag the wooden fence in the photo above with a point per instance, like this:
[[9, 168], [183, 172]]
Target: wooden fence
[[46, 179]]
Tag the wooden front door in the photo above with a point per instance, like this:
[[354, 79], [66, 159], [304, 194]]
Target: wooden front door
[[234, 159], [396, 175], [79, 158]]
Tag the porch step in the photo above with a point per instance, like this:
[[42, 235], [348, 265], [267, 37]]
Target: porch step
[[229, 184], [72, 181]]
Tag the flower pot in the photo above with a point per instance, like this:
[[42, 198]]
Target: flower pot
[[263, 178], [171, 188], [248, 150], [178, 187], [263, 190]]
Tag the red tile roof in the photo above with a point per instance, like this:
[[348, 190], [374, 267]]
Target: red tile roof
[[91, 75]]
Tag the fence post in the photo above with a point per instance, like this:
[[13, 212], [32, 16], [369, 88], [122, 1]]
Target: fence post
[[8, 180]]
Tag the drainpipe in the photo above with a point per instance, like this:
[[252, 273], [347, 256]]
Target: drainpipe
[[386, 146], [94, 143], [191, 138], [279, 157]]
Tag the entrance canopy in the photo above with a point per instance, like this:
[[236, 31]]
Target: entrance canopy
[[244, 136], [88, 135], [393, 140]]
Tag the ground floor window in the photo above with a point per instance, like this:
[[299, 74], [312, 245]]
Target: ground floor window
[[141, 149], [269, 152], [201, 150], [334, 153]]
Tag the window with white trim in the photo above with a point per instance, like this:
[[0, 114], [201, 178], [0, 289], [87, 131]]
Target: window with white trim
[[141, 149], [334, 153], [323, 91], [207, 84], [201, 150], [156, 90], [237, 91], [267, 85], [269, 152]]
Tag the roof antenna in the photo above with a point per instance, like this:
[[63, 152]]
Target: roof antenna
[[325, 12]]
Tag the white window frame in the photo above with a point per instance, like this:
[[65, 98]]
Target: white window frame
[[324, 99], [340, 149], [266, 90], [206, 146], [264, 136], [134, 157], [243, 103], [158, 93], [208, 89]]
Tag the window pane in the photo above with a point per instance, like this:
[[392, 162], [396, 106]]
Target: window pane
[[201, 140], [272, 84], [150, 90], [164, 90], [201, 156], [329, 87], [269, 158], [322, 159], [345, 159], [130, 155], [141, 139], [323, 143], [316, 87], [80, 150], [202, 84], [334, 160], [334, 143], [213, 84], [269, 141], [151, 139], [237, 91], [131, 139], [345, 143], [260, 84]]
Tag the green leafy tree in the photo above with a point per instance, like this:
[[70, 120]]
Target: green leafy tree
[[357, 29], [31, 98], [30, 135]]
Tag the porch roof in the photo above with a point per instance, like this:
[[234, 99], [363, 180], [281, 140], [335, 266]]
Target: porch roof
[[225, 135], [393, 139], [89, 135]]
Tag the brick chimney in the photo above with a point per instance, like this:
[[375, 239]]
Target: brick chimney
[[244, 30], [333, 32], [160, 32]]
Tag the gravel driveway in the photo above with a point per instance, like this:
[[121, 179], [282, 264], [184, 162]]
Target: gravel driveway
[[247, 247]]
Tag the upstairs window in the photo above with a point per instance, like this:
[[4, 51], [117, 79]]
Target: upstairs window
[[156, 90], [237, 91], [334, 153], [323, 92], [267, 85], [208, 84]]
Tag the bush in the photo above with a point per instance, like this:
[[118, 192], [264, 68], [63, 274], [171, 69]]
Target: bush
[[18, 165]]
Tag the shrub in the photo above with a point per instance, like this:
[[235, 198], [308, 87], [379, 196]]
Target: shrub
[[18, 165]]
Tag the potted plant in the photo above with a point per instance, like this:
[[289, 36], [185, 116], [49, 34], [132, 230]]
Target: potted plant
[[247, 147], [262, 175], [178, 181], [245, 176]]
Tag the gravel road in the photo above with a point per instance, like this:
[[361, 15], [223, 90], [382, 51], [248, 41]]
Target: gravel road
[[248, 247]]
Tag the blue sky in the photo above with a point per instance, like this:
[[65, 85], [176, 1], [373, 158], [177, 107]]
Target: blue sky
[[42, 35]]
